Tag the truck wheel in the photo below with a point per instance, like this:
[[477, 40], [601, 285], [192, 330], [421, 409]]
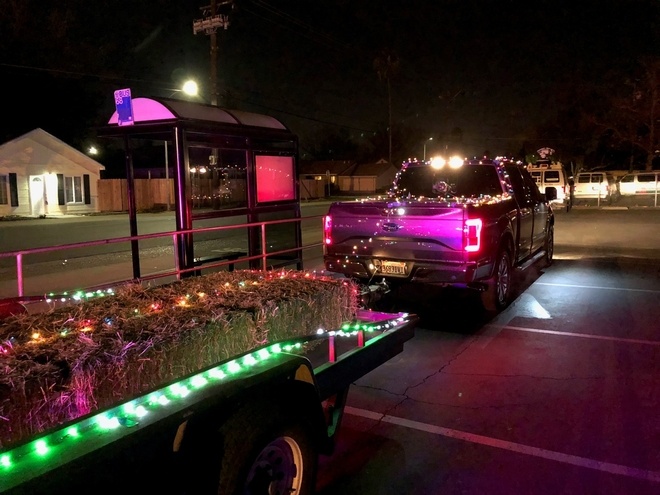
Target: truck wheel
[[268, 451], [496, 296], [549, 245]]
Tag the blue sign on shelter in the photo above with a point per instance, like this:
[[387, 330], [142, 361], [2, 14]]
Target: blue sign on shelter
[[124, 106]]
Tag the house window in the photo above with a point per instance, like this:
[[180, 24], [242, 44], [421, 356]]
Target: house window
[[4, 183], [73, 190]]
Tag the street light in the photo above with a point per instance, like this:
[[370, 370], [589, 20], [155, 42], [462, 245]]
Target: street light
[[190, 88], [429, 139]]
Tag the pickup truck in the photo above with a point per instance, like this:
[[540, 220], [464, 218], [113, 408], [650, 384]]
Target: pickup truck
[[446, 222], [255, 423]]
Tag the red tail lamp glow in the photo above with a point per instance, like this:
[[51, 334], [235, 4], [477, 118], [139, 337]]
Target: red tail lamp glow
[[473, 235], [327, 230]]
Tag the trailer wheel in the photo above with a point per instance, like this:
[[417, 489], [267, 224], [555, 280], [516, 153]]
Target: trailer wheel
[[496, 296], [268, 452]]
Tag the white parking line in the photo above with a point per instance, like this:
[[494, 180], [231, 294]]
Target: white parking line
[[573, 334], [606, 467], [601, 287]]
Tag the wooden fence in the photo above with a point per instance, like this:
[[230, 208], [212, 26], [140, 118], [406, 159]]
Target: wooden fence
[[312, 189], [149, 194], [152, 193]]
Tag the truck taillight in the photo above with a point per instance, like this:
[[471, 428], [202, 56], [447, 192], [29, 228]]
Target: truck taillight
[[472, 231], [327, 230]]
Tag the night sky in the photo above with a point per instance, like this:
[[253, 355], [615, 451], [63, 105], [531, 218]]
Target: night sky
[[492, 71]]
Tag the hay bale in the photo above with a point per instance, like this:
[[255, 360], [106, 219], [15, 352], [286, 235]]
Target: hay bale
[[60, 365]]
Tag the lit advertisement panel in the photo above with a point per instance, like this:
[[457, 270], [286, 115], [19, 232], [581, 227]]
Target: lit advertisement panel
[[275, 178]]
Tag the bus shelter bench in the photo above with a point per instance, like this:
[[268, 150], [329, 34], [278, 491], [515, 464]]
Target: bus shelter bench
[[225, 256], [282, 260]]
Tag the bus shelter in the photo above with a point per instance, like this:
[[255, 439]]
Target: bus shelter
[[229, 167]]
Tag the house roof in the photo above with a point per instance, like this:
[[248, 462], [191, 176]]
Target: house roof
[[51, 148], [335, 167], [374, 169]]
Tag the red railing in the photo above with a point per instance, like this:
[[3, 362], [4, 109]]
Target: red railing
[[175, 235]]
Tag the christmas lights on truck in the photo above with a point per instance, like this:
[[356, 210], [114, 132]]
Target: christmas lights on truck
[[445, 222]]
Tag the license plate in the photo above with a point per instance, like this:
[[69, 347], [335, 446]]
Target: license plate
[[393, 267]]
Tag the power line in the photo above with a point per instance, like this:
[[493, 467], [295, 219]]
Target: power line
[[310, 32]]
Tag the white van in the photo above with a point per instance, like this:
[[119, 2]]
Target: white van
[[549, 174], [600, 186], [640, 183]]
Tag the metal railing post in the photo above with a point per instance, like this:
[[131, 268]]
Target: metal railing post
[[264, 264], [19, 273], [177, 265]]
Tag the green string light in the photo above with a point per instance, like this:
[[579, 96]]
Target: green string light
[[129, 414]]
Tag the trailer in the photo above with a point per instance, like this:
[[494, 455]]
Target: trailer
[[254, 424]]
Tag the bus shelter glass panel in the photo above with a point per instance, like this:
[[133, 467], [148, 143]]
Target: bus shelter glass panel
[[216, 241], [218, 178], [282, 237]]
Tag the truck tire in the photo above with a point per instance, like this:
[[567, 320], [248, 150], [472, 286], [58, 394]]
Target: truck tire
[[496, 296], [549, 246], [267, 450]]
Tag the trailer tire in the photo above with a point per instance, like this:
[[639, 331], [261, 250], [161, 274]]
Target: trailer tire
[[497, 295], [267, 450]]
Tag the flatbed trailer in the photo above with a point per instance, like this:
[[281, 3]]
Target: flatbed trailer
[[254, 424]]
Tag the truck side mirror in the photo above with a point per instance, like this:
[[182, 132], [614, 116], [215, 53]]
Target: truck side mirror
[[550, 193]]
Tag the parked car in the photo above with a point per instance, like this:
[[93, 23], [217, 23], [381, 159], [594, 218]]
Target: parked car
[[600, 186], [639, 183], [550, 174]]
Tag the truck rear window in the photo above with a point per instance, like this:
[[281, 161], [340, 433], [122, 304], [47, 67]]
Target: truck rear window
[[466, 181], [552, 176]]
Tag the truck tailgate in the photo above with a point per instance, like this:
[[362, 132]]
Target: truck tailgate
[[415, 231]]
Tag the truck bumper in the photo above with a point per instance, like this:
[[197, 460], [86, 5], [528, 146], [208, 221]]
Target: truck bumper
[[458, 274]]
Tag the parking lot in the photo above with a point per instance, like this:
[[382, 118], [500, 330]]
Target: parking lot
[[558, 394]]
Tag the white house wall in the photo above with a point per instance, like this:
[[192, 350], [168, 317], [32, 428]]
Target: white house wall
[[28, 158]]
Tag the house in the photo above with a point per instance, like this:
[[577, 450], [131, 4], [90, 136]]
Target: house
[[345, 177], [368, 177], [41, 175], [319, 179]]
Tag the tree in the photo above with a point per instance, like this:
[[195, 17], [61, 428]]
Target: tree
[[633, 109], [386, 65], [332, 144]]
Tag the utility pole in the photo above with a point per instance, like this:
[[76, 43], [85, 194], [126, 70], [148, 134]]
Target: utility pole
[[209, 25]]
